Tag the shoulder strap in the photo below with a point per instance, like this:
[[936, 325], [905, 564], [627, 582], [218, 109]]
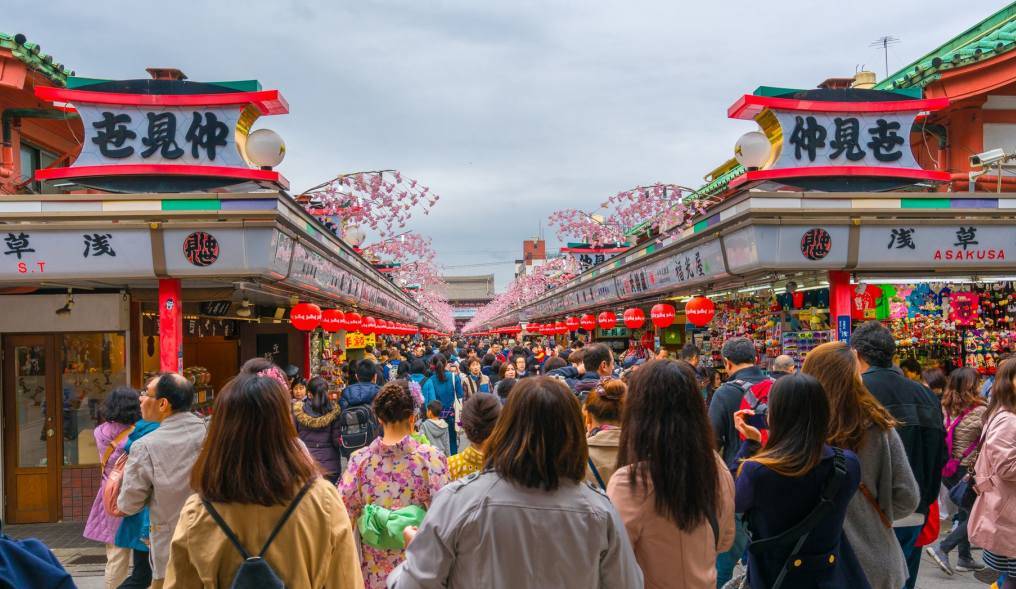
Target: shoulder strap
[[803, 529], [285, 516], [278, 526], [596, 473], [112, 446]]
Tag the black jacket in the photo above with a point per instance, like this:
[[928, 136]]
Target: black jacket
[[727, 400], [919, 414]]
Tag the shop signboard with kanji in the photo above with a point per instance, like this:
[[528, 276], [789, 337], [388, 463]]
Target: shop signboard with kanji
[[357, 341], [836, 139], [787, 247], [38, 255], [208, 251], [693, 266], [164, 135], [907, 246]]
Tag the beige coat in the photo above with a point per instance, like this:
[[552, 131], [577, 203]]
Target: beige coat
[[157, 474], [671, 557], [603, 452], [314, 549]]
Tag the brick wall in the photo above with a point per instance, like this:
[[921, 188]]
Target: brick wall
[[79, 486]]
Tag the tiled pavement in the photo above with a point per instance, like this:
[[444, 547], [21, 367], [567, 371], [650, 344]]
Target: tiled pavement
[[85, 559]]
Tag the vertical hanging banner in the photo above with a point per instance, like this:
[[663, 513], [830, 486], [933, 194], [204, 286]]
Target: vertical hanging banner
[[170, 325], [165, 135]]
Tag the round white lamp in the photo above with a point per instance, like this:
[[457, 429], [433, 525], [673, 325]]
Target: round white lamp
[[752, 149], [265, 148], [354, 236]]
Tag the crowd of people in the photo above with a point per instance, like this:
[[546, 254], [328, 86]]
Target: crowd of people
[[483, 463]]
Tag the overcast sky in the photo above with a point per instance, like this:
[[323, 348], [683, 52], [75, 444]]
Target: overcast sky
[[508, 110]]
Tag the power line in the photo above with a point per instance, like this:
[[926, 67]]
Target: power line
[[885, 42]]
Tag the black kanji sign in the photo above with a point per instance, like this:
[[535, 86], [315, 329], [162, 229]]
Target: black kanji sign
[[201, 249], [816, 244]]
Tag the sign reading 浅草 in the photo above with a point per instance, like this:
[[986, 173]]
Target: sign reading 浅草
[[908, 246]]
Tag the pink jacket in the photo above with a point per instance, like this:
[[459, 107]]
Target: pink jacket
[[101, 526], [993, 520]]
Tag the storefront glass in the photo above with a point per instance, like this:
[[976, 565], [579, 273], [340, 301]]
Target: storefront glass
[[30, 383], [93, 365]]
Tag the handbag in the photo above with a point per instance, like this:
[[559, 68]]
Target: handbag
[[963, 493], [114, 480], [802, 530], [953, 464]]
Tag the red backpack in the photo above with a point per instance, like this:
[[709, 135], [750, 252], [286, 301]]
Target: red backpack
[[756, 398]]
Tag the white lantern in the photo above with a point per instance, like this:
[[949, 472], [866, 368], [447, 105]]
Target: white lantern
[[265, 148], [354, 236], [752, 149]]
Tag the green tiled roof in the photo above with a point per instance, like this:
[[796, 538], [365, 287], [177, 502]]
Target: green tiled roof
[[31, 54], [991, 37]]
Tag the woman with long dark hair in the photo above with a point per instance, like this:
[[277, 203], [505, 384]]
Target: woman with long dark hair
[[446, 387], [676, 522], [794, 493], [120, 411], [963, 409], [317, 424], [992, 523], [888, 490], [251, 471], [528, 519]]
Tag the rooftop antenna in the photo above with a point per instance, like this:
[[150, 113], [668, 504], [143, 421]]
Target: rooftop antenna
[[885, 42]]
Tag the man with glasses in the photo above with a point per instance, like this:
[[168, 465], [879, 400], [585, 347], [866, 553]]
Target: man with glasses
[[158, 469]]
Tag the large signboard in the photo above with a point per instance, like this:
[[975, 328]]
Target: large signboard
[[49, 254], [963, 245], [694, 266]]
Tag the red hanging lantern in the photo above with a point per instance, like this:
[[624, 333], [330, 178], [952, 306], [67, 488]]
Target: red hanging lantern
[[634, 318], [305, 316], [332, 320], [700, 311], [560, 327], [663, 315], [572, 323], [353, 321], [588, 322], [382, 327], [607, 320]]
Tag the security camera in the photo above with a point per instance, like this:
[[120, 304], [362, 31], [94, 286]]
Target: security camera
[[988, 157]]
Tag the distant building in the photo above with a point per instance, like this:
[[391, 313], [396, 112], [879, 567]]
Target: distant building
[[534, 254], [466, 294]]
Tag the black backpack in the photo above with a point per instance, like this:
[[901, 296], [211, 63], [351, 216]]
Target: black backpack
[[358, 427], [254, 571]]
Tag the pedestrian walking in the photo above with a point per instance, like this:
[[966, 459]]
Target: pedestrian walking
[[358, 426], [395, 472], [445, 386], [479, 415], [474, 381], [493, 529], [888, 490], [158, 468], [964, 409], [120, 411], [919, 424], [436, 428], [598, 361], [318, 425], [602, 416], [676, 523], [992, 523], [258, 493], [795, 492], [739, 360], [133, 532]]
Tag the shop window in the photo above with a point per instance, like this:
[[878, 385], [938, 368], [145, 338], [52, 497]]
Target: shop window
[[93, 365], [32, 160]]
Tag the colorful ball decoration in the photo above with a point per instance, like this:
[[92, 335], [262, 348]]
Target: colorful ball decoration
[[663, 315], [588, 322], [305, 316], [332, 320], [700, 311], [607, 320], [634, 318], [353, 321], [572, 323]]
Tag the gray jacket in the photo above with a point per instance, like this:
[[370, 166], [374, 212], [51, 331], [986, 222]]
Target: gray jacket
[[483, 531], [437, 434], [157, 474], [885, 471]]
